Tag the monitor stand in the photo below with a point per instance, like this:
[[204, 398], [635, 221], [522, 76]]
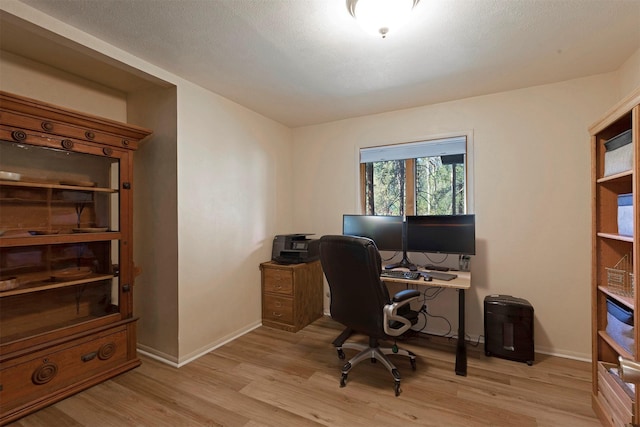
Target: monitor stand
[[404, 263]]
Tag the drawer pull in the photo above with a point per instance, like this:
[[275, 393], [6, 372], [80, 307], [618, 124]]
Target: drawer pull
[[277, 314], [89, 356], [44, 373]]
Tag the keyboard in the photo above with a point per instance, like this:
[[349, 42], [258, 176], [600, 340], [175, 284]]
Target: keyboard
[[441, 276], [397, 274], [435, 267]]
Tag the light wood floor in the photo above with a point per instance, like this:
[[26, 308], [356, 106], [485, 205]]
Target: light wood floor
[[275, 378]]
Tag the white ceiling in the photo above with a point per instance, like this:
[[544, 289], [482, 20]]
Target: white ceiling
[[303, 62]]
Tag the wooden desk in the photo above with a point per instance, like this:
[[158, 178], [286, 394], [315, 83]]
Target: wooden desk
[[461, 283]]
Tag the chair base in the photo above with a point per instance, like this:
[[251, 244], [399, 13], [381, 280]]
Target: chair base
[[374, 353]]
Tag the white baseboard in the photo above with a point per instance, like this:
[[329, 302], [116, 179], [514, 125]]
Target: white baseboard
[[181, 361], [157, 355], [172, 361], [583, 357]]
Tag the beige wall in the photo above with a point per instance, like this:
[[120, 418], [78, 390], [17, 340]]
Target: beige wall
[[156, 222], [532, 196], [630, 74], [234, 174], [32, 79]]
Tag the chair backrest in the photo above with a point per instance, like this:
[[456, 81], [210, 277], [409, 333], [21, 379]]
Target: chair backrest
[[352, 267]]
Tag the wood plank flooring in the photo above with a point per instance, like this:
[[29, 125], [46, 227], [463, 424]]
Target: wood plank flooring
[[275, 378]]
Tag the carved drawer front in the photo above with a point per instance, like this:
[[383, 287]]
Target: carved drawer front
[[278, 281], [278, 309], [59, 367]]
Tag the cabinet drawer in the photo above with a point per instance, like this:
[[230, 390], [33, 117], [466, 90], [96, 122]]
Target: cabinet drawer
[[278, 281], [279, 309], [61, 366]]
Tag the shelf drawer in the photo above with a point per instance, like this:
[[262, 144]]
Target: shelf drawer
[[611, 390], [278, 309], [278, 281], [59, 367]]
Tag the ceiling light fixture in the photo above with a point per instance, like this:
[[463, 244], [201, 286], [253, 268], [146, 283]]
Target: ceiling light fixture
[[379, 16]]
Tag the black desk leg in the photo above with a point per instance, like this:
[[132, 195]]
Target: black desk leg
[[461, 348]]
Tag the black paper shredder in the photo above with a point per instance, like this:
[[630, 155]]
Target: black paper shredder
[[508, 328]]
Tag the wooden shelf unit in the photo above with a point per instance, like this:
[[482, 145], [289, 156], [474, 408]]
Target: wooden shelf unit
[[614, 402], [66, 266]]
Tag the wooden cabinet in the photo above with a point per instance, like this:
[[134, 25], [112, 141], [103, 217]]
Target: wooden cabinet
[[615, 266], [291, 295], [66, 268]]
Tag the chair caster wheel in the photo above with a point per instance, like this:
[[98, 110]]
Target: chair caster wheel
[[397, 389], [340, 354], [530, 362], [343, 380], [413, 364]]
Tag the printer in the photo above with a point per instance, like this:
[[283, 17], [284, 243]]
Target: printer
[[295, 249]]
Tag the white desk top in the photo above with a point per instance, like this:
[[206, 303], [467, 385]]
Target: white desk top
[[463, 281]]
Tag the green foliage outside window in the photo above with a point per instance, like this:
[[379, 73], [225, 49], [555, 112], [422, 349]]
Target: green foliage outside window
[[439, 186], [386, 185]]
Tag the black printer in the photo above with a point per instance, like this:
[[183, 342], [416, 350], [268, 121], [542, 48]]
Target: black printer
[[295, 249]]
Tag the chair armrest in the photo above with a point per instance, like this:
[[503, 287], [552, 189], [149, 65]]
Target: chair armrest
[[390, 311], [406, 294]]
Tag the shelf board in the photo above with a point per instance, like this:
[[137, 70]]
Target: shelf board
[[627, 301], [55, 186], [616, 236], [615, 177], [617, 347], [52, 239], [36, 332], [43, 286]]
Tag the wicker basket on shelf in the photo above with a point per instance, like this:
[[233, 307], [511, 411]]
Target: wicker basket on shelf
[[620, 277]]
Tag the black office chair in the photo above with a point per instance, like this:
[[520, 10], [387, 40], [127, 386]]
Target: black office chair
[[360, 301]]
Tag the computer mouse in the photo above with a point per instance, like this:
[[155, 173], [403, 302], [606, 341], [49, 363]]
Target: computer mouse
[[427, 278]]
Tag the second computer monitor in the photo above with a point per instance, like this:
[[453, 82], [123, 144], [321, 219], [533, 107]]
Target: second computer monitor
[[385, 231], [448, 234]]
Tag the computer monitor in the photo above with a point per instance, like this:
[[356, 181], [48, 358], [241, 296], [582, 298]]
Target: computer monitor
[[388, 232], [385, 231], [448, 234]]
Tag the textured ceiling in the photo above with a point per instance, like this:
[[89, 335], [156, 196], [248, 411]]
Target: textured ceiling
[[303, 62]]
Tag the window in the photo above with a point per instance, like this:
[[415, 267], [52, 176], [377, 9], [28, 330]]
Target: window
[[418, 178]]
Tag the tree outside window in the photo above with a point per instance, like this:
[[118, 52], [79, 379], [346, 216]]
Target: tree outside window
[[440, 188]]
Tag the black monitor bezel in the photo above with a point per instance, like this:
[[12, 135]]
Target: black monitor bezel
[[380, 244], [464, 243]]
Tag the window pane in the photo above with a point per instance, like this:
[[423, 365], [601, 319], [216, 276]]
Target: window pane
[[440, 186], [385, 194]]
